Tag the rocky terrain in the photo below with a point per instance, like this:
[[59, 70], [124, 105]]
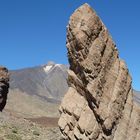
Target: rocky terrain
[[14, 127], [31, 112], [99, 104]]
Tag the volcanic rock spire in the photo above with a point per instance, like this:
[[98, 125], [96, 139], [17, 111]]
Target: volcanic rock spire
[[4, 86], [99, 103]]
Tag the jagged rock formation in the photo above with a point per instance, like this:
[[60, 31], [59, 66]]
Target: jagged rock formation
[[99, 103], [4, 85]]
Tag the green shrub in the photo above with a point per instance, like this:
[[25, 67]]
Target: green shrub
[[15, 130], [36, 133]]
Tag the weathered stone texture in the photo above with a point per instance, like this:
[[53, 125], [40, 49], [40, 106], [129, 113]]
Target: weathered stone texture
[[99, 103], [4, 86]]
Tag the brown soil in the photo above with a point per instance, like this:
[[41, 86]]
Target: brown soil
[[45, 121]]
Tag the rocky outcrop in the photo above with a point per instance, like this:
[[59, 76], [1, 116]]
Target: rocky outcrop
[[4, 85], [99, 103]]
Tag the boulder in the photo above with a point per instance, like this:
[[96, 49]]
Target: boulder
[[4, 86]]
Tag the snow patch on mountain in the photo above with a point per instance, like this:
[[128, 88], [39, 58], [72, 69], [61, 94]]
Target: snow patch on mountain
[[47, 68]]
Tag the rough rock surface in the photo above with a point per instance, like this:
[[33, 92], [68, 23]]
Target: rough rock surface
[[99, 103], [4, 86]]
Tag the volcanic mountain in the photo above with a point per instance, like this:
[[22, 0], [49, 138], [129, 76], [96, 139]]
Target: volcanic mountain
[[38, 90]]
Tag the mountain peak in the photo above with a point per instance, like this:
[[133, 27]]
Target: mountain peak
[[51, 63], [47, 68]]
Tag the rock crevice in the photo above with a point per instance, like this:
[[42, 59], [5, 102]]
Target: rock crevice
[[99, 103]]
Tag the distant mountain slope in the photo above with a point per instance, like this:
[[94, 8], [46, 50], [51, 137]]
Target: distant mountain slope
[[37, 91], [48, 82], [136, 96]]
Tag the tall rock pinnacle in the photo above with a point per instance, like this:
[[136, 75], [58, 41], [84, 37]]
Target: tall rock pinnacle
[[4, 86], [99, 103]]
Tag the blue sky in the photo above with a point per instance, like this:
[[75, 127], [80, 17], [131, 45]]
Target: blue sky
[[32, 32]]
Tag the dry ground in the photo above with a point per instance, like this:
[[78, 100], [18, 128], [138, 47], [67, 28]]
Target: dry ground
[[13, 127]]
